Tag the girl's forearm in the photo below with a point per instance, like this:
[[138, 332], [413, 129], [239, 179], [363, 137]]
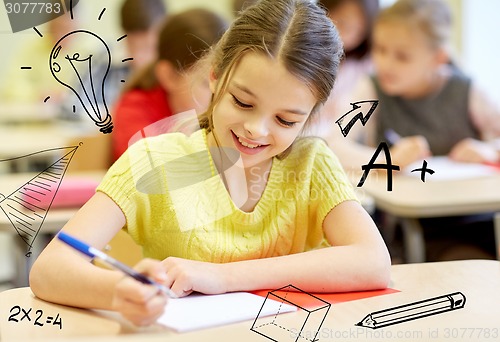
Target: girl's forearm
[[64, 276], [69, 279], [334, 269]]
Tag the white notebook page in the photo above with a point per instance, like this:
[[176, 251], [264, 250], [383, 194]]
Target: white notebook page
[[199, 311]]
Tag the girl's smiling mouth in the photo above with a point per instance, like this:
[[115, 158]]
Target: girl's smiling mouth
[[246, 146]]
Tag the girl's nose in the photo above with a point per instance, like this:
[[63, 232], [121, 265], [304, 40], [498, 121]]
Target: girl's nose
[[256, 127]]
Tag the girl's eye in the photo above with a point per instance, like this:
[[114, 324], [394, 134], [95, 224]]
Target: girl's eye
[[285, 123], [240, 104]]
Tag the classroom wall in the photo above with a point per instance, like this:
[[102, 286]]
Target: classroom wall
[[220, 6], [481, 46]]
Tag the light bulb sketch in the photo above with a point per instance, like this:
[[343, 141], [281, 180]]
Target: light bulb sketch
[[92, 69], [65, 56]]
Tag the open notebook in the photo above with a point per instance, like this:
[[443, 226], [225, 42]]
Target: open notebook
[[199, 311], [446, 169]]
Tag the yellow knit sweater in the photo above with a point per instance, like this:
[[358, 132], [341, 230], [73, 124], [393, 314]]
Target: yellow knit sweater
[[176, 205]]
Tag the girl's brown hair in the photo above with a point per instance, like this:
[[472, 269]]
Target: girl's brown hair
[[296, 32]]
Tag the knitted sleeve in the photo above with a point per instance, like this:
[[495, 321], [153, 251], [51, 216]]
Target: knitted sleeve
[[330, 185]]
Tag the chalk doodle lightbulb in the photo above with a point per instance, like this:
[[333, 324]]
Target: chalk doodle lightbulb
[[66, 56]]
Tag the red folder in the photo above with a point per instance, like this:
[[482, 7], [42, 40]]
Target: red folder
[[307, 300], [72, 193]]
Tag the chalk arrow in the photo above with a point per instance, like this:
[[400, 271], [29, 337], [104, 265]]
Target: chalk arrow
[[355, 114]]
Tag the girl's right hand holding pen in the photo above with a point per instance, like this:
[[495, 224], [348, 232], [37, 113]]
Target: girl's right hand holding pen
[[140, 303]]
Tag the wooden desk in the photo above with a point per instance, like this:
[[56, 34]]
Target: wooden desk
[[478, 280], [411, 199]]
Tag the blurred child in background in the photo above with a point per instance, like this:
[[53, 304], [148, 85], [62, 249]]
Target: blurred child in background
[[428, 105], [427, 101], [164, 88], [354, 20], [141, 21]]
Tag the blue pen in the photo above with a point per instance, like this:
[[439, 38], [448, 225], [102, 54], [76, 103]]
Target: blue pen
[[391, 136], [95, 253]]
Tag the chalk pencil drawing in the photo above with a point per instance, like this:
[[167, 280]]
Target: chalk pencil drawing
[[409, 312]]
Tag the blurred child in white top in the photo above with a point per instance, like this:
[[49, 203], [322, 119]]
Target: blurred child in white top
[[412, 60]]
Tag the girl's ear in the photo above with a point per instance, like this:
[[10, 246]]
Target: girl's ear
[[167, 75], [212, 79]]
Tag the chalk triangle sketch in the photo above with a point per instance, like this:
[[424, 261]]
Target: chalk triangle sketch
[[26, 208]]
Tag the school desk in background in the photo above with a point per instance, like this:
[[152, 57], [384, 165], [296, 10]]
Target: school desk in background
[[453, 192]]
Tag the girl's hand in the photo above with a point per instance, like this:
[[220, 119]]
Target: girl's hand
[[410, 149], [185, 276], [473, 151], [139, 303]]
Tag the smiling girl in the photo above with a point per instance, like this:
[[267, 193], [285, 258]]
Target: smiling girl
[[269, 74]]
